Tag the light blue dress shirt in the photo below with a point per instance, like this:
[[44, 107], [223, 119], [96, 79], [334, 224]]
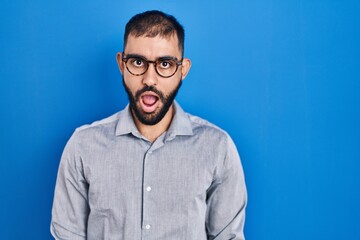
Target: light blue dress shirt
[[115, 184]]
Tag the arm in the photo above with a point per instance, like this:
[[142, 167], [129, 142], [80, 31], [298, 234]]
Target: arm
[[227, 198], [70, 207]]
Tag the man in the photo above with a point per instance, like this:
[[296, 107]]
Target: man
[[150, 171]]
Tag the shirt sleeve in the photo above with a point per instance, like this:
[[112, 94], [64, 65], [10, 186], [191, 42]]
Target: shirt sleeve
[[227, 199], [70, 207]]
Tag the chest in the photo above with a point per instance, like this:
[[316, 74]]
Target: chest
[[123, 174]]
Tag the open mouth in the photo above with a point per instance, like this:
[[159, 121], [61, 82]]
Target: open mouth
[[149, 102]]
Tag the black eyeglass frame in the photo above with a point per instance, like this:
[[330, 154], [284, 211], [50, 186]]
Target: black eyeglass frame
[[156, 62]]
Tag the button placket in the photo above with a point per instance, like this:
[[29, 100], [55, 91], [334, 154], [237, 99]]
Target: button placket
[[148, 177], [147, 188]]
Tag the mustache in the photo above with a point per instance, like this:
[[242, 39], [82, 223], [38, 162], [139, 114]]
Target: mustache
[[149, 89]]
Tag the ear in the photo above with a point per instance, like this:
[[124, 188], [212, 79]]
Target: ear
[[185, 67], [120, 62]]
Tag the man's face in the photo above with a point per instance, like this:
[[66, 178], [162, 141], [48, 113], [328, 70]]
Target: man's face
[[151, 95]]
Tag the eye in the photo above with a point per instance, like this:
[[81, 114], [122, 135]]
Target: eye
[[137, 62], [166, 64]]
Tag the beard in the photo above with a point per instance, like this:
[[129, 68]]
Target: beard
[[154, 117]]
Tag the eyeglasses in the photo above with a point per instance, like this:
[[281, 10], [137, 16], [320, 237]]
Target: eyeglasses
[[165, 66]]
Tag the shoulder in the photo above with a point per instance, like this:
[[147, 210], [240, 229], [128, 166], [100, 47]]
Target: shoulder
[[200, 124], [216, 141], [209, 130], [105, 122], [105, 126]]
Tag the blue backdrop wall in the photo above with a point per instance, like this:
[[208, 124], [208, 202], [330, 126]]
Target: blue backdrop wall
[[282, 77]]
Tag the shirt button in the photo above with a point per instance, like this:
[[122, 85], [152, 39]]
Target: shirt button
[[147, 227], [148, 189]]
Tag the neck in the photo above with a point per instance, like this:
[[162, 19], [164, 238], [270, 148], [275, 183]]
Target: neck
[[152, 132]]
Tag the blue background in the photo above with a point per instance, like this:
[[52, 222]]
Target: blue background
[[282, 77]]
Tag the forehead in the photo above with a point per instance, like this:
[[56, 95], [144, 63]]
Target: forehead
[[153, 47]]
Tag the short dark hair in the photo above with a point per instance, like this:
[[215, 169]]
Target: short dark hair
[[154, 23]]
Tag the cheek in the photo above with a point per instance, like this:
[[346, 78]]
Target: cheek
[[171, 83], [167, 86], [131, 83], [174, 81]]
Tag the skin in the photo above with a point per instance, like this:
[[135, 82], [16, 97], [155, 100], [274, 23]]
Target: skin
[[151, 49]]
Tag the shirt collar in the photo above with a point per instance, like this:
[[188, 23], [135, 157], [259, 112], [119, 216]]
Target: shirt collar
[[180, 124], [126, 123]]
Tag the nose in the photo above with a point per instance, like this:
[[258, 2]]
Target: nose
[[150, 77]]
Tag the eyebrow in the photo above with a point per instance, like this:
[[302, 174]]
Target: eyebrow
[[167, 57]]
